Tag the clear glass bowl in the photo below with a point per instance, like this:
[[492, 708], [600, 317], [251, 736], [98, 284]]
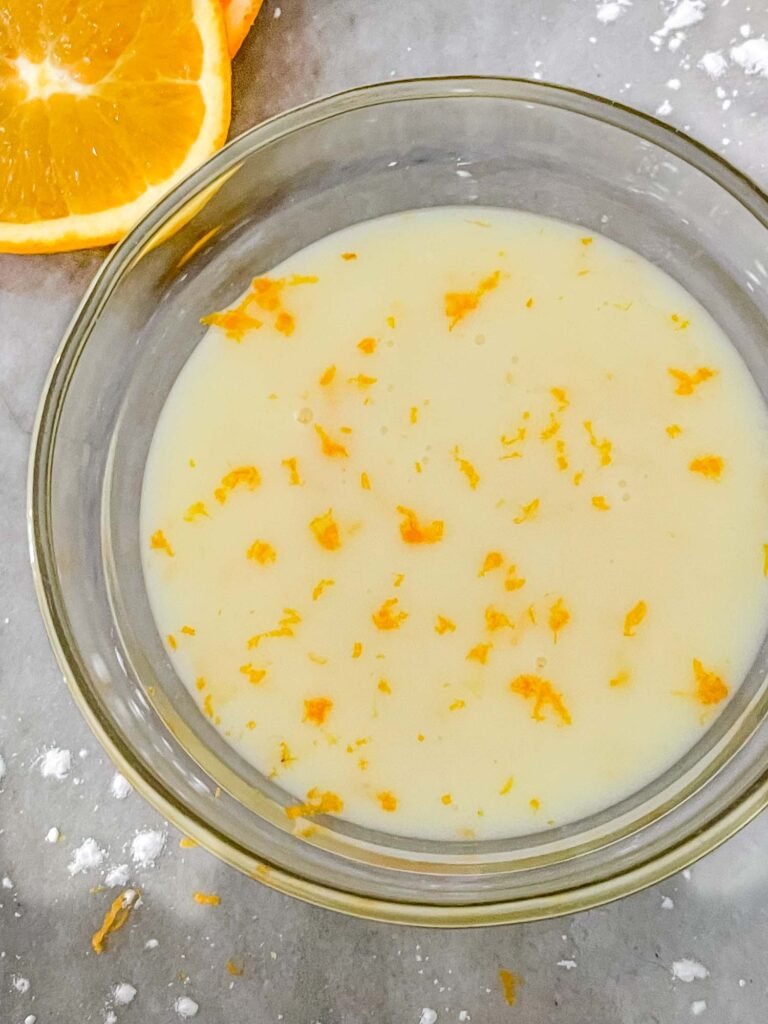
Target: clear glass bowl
[[275, 189]]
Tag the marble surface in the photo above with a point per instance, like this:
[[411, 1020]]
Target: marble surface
[[302, 965]]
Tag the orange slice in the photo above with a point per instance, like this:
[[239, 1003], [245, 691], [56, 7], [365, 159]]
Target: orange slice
[[104, 106], [239, 15]]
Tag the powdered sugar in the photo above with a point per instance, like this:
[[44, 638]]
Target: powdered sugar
[[698, 1006], [185, 1007], [609, 10], [689, 970], [752, 56], [20, 984], [55, 763], [569, 965], [120, 787], [714, 63], [123, 993], [2, 768], [682, 14], [117, 875], [667, 903], [146, 847], [428, 1016], [52, 835], [87, 856]]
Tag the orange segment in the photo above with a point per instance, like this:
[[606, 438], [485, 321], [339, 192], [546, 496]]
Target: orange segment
[[104, 106], [239, 15]]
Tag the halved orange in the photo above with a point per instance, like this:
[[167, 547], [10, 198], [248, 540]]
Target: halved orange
[[104, 105], [239, 15]]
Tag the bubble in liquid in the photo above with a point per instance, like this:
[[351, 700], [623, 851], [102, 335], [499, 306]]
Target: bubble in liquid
[[541, 661], [479, 339], [305, 415]]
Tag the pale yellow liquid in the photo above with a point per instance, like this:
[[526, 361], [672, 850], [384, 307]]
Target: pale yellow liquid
[[587, 317]]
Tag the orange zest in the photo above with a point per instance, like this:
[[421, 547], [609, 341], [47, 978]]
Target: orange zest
[[159, 542], [413, 532], [710, 466], [209, 899], [688, 382], [320, 587], [543, 694], [493, 560], [495, 620], [634, 617], [599, 502], [509, 981], [710, 688], [234, 322], [466, 467], [479, 653], [388, 617], [527, 512], [317, 709], [317, 803], [262, 552], [244, 476], [196, 510], [293, 471], [255, 675], [458, 304], [367, 346], [327, 376], [387, 800], [620, 679], [512, 581], [559, 617], [443, 625], [603, 448], [115, 918], [333, 449], [326, 531]]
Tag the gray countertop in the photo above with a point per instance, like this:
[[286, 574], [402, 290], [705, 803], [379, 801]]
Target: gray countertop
[[302, 965]]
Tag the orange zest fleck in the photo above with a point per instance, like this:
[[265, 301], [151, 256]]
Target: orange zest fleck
[[457, 705], [527, 512], [383, 686], [326, 531], [349, 256], [195, 511], [200, 683], [507, 786], [509, 981], [234, 322], [284, 628], [327, 376], [388, 617], [765, 559], [367, 346], [159, 542], [493, 560], [559, 617], [320, 587], [285, 323], [534, 804], [317, 803], [296, 279], [587, 241], [679, 322], [710, 466], [578, 477], [333, 449], [286, 757], [603, 448], [599, 502], [467, 469], [188, 844], [634, 617], [209, 899], [172, 641], [543, 694], [459, 304], [479, 653], [413, 532], [562, 459], [115, 918], [391, 322], [387, 800], [688, 382], [620, 679], [365, 482], [255, 675], [446, 799], [317, 709], [710, 688], [550, 431], [244, 476], [561, 397], [188, 630], [262, 552], [293, 471], [357, 649], [495, 620], [362, 381], [443, 625], [513, 581], [674, 430], [529, 303], [208, 705], [236, 970]]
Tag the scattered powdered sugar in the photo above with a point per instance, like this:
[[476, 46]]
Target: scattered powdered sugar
[[52, 835], [110, 1017], [118, 874], [714, 63], [698, 1006], [147, 846], [464, 1016], [55, 764], [185, 1007], [123, 993], [752, 56], [609, 10], [664, 108], [6, 882], [2, 768], [682, 14], [86, 857], [674, 84], [20, 984], [667, 903], [567, 964], [428, 1016], [689, 970], [151, 944], [30, 1019], [687, 874], [120, 787]]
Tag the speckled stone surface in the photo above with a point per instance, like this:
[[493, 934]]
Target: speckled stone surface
[[302, 965]]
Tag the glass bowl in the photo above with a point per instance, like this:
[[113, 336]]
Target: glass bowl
[[280, 186]]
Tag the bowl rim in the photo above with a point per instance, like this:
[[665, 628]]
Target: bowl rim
[[580, 896]]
